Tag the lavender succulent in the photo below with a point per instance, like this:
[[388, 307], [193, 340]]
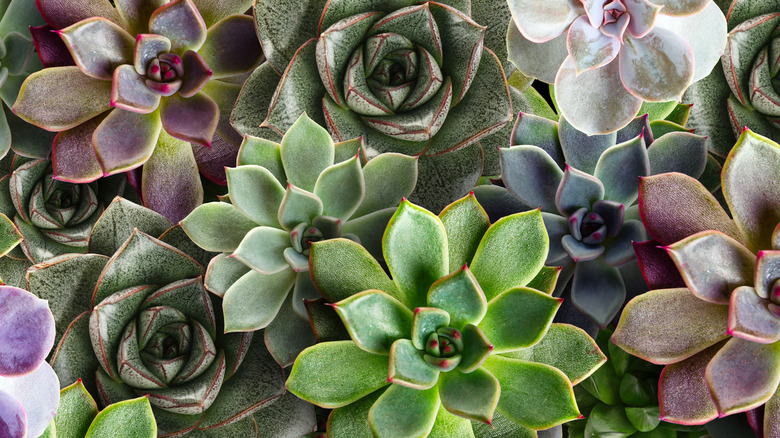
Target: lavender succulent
[[615, 54], [458, 337], [163, 77], [714, 324]]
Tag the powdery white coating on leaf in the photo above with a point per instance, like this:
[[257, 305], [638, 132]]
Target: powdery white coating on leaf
[[39, 394]]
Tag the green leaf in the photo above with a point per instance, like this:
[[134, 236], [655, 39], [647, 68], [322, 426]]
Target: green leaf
[[569, 349], [341, 268], [546, 279], [298, 206], [604, 384], [217, 226], [511, 253], [644, 419], [261, 152], [9, 235], [426, 321], [222, 272], [306, 150], [289, 334], [74, 357], [466, 222], [131, 417], [635, 392], [524, 384], [255, 192], [375, 320], [518, 318], [351, 421], [341, 188], [460, 296], [404, 412], [262, 249], [611, 420], [476, 348], [415, 263], [473, 395], [449, 425], [407, 367], [253, 301], [388, 178], [117, 223], [75, 412], [357, 372]]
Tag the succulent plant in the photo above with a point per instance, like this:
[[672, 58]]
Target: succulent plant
[[78, 416], [614, 54], [714, 321], [29, 389], [621, 399], [417, 78], [586, 187], [133, 319], [161, 79], [266, 231], [458, 334], [740, 92]]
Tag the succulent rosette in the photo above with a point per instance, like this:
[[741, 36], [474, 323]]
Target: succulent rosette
[[712, 318], [417, 78], [134, 319], [283, 197], [29, 389], [458, 340], [587, 187], [615, 54], [161, 78]]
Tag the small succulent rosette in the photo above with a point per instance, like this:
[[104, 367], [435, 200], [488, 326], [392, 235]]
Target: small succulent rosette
[[615, 54], [586, 187], [715, 322], [282, 198], [133, 319], [742, 91], [162, 77], [621, 399], [29, 389], [458, 342], [78, 416], [417, 78]]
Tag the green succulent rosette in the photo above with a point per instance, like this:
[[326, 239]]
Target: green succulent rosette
[[460, 340], [417, 78], [133, 319], [717, 326], [282, 198]]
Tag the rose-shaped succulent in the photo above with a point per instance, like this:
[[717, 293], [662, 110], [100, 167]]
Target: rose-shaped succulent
[[266, 232], [715, 325], [409, 77], [614, 54], [162, 76], [29, 389], [586, 187], [742, 91], [458, 333], [141, 323]]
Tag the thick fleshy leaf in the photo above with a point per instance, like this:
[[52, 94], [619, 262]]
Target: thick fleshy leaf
[[538, 131], [466, 222], [222, 272], [582, 356], [460, 296], [131, 415], [298, 206], [674, 206], [75, 412], [577, 190], [648, 328], [772, 415], [665, 154], [589, 47], [388, 178], [252, 302], [752, 201], [352, 420], [288, 334], [402, 412], [27, 331], [38, 393], [619, 169], [341, 188], [45, 103], [407, 367], [118, 222], [192, 119], [425, 322], [749, 317], [543, 24], [415, 264], [181, 23], [537, 60], [712, 265], [59, 17], [359, 373], [256, 193], [619, 250], [375, 320], [518, 318], [531, 175], [13, 417], [683, 395], [9, 235], [546, 279], [98, 60], [130, 92], [657, 67], [598, 290], [524, 383], [217, 226], [231, 47], [124, 140], [658, 269], [73, 157], [743, 375], [262, 249], [602, 88], [473, 395], [306, 151]]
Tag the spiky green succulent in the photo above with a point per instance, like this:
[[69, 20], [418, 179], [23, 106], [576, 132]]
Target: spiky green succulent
[[283, 197], [615, 54], [147, 326], [716, 325], [587, 187], [163, 76], [457, 338]]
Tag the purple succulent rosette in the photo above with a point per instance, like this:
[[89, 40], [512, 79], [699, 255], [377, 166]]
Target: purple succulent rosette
[[417, 78], [29, 389], [134, 319], [456, 341], [587, 188], [713, 320], [615, 54], [162, 77]]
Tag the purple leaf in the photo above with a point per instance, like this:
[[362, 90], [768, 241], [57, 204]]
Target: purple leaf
[[39, 394], [231, 47], [26, 331], [13, 420], [197, 73], [129, 91], [60, 14], [212, 161], [73, 158], [658, 269], [147, 48], [194, 119], [50, 47], [683, 395], [98, 60], [750, 318], [124, 140], [181, 23]]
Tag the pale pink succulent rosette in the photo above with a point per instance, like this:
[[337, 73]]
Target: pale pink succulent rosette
[[606, 57]]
